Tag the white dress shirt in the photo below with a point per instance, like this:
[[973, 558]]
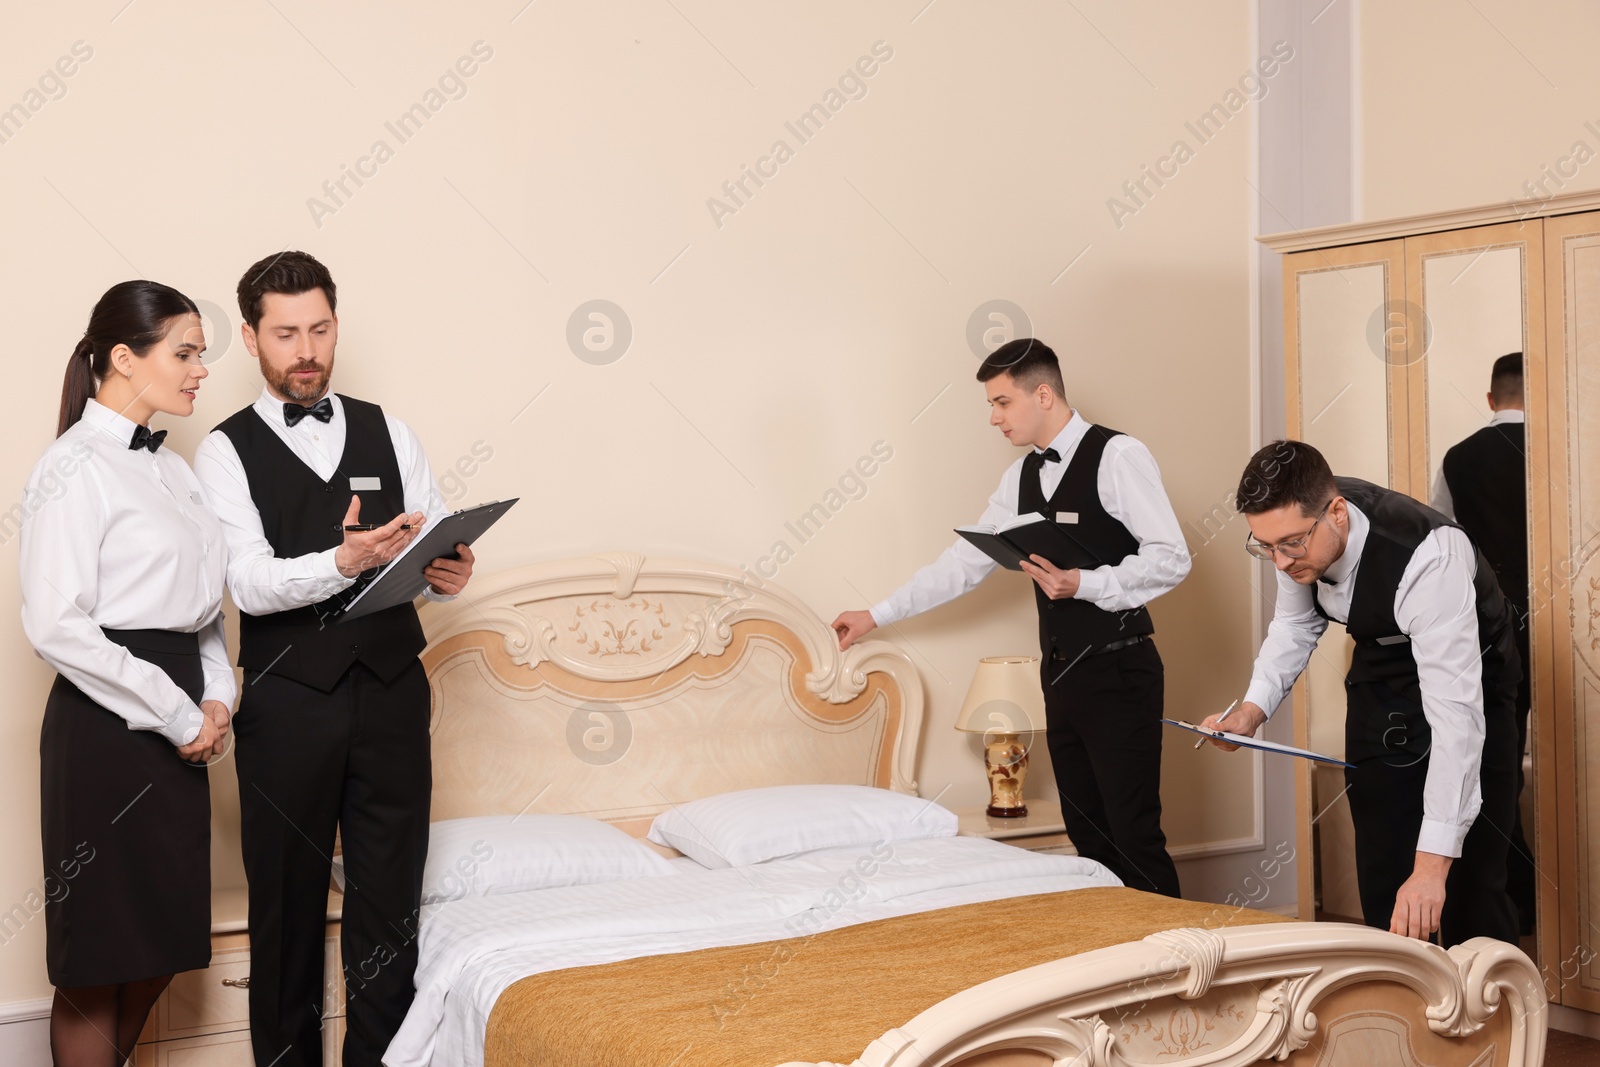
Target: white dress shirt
[[1131, 492], [262, 583], [1436, 607], [1442, 501], [122, 539]]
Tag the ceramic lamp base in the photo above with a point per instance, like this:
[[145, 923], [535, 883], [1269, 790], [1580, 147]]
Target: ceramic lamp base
[[1006, 761]]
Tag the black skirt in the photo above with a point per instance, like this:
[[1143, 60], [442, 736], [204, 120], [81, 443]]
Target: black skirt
[[127, 833]]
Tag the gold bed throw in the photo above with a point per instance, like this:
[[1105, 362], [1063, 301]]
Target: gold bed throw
[[822, 997]]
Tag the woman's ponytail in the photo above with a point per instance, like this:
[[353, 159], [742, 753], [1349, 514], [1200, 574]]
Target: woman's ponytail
[[79, 387]]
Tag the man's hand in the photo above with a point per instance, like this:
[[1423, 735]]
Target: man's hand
[[373, 548], [220, 717], [1421, 898], [449, 576], [1245, 720], [197, 750], [852, 626], [1057, 584]]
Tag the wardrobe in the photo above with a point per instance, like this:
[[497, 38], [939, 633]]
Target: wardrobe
[[1391, 328]]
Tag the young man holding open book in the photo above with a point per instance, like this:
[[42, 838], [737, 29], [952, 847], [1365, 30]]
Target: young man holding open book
[[1111, 544]]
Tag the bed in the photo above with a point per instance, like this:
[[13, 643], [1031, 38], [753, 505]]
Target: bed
[[619, 688]]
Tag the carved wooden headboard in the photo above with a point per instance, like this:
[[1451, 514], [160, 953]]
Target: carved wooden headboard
[[614, 686]]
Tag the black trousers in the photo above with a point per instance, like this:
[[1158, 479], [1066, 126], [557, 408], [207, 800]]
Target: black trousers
[[356, 760], [1103, 728], [1385, 792]]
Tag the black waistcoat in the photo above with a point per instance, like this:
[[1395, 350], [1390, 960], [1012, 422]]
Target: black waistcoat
[[1488, 479], [1072, 627], [1387, 720], [301, 514]]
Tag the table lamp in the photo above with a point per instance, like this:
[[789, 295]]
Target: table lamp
[[1003, 701]]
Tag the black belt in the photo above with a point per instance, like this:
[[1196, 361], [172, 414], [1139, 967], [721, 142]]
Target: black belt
[[1113, 646], [171, 642]]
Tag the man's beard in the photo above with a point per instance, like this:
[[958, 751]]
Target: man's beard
[[301, 391]]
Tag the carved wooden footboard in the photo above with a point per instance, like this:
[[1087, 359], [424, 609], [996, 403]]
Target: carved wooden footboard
[[1309, 994]]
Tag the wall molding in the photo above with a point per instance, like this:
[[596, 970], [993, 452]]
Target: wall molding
[[22, 1011], [25, 1033]]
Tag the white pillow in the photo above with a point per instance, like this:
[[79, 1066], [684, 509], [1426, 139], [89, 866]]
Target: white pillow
[[492, 854], [754, 825]]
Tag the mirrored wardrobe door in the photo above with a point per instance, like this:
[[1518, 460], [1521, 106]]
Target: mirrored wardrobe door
[[1348, 335]]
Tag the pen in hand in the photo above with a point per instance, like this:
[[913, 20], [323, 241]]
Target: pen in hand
[[1224, 715], [364, 527]]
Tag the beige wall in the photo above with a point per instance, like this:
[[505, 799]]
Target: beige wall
[[768, 354], [1464, 104]]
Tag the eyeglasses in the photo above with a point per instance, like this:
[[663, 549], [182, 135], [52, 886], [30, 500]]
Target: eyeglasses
[[1294, 548]]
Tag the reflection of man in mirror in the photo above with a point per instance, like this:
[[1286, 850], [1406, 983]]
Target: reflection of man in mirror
[[1483, 485]]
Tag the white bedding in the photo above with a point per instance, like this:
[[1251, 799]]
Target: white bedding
[[473, 950]]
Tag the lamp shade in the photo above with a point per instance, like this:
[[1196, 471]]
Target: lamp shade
[[1004, 697]]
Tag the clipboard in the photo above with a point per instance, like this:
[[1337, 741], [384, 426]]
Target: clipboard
[[401, 580], [1256, 743]]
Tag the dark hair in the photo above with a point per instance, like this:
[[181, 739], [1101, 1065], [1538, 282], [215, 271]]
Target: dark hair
[[1286, 472], [135, 314], [1505, 381], [290, 273], [1030, 363]]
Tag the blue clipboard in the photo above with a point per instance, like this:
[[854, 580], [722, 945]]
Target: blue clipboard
[[1256, 743]]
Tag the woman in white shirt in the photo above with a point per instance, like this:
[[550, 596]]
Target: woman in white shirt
[[122, 568]]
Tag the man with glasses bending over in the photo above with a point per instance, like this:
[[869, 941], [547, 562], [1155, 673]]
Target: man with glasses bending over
[[1431, 692]]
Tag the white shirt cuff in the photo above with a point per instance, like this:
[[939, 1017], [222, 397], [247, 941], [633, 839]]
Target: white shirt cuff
[[1441, 838], [185, 726], [882, 614], [326, 571], [1260, 694], [1091, 585], [222, 692]]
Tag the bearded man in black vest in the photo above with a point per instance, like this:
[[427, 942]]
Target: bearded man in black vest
[[1430, 694], [1102, 676], [332, 733]]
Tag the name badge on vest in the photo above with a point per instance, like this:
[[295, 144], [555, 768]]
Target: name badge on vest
[[371, 485], [1067, 516], [1397, 639]]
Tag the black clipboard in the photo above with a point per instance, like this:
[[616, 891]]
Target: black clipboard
[[401, 580]]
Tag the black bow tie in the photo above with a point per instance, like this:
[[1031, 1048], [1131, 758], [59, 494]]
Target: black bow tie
[[1038, 458], [143, 438], [322, 411]]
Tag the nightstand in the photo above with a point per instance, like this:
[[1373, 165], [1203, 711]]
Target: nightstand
[[203, 1017], [1041, 830]]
